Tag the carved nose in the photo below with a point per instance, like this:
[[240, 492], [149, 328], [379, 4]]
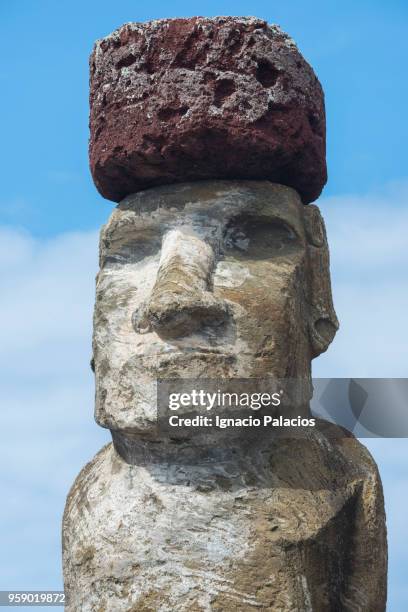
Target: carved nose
[[181, 301]]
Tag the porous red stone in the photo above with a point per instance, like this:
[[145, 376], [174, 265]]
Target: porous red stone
[[189, 99]]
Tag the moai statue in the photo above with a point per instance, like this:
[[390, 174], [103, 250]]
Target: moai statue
[[210, 133]]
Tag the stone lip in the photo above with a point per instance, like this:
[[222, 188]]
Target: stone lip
[[178, 100]]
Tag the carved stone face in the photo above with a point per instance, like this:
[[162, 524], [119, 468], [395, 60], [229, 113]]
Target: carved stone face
[[207, 280]]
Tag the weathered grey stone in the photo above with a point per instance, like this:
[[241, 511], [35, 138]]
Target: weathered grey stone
[[292, 525], [231, 293], [218, 280]]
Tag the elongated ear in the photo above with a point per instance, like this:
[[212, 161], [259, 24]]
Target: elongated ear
[[323, 323]]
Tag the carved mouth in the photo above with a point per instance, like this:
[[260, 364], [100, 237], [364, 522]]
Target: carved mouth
[[196, 362], [186, 354], [204, 350]]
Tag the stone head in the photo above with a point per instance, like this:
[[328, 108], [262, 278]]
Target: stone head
[[214, 279]]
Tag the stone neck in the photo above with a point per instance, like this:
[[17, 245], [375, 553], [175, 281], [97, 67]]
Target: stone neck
[[137, 448]]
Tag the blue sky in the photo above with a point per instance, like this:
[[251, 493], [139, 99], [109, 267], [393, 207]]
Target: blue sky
[[50, 213]]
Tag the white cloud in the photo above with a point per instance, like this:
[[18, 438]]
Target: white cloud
[[47, 290], [368, 233], [369, 259]]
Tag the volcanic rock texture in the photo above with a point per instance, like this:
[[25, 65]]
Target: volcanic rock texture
[[293, 525], [188, 99]]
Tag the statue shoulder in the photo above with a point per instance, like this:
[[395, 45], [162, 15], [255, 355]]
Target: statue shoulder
[[344, 442], [77, 496]]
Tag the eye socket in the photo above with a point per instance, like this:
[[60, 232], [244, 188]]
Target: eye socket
[[253, 238], [131, 249]]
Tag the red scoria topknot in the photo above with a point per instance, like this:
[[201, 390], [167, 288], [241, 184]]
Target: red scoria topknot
[[178, 100]]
